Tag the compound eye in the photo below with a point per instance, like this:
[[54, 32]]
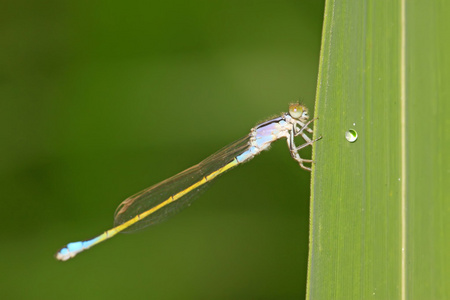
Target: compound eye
[[299, 112]]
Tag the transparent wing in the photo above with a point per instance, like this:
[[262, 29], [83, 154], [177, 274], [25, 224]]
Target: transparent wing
[[158, 193]]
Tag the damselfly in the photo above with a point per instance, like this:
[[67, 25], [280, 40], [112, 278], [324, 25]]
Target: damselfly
[[164, 199]]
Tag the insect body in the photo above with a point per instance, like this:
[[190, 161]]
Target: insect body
[[162, 200]]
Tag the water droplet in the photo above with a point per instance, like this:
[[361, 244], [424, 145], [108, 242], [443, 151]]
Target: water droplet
[[351, 135]]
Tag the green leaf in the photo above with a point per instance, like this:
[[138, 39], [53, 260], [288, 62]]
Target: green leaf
[[380, 205]]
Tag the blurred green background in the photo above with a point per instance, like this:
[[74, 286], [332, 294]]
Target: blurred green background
[[102, 99]]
